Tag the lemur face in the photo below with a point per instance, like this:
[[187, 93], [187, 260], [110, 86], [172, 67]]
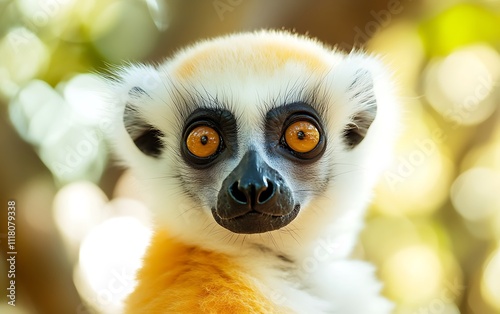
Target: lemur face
[[255, 196], [254, 133]]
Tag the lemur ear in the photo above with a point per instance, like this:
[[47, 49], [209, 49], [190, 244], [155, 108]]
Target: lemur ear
[[145, 136], [361, 92]]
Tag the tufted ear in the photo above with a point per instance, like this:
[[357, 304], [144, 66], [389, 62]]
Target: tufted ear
[[361, 93], [145, 136]]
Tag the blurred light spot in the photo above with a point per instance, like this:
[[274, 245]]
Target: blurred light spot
[[78, 154], [475, 194], [70, 149], [412, 275], [78, 207], [159, 13], [108, 15], [410, 185], [53, 18], [123, 31], [124, 206], [467, 68], [460, 87], [40, 13], [109, 257], [23, 57], [85, 11], [34, 111], [83, 94], [490, 284]]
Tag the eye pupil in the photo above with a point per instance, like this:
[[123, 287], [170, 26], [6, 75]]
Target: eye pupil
[[301, 135], [204, 140]]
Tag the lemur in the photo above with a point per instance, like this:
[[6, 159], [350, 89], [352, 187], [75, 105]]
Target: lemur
[[258, 153]]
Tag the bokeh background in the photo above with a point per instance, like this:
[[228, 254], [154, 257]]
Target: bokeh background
[[434, 227]]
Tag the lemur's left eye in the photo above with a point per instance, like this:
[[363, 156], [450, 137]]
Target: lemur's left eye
[[296, 132], [302, 136], [203, 141]]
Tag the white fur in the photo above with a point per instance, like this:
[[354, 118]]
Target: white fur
[[323, 279]]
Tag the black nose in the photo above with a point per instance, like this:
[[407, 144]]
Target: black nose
[[253, 186], [252, 191], [254, 198]]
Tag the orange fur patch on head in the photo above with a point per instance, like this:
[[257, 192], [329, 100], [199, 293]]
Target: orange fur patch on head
[[248, 54], [177, 278], [278, 54]]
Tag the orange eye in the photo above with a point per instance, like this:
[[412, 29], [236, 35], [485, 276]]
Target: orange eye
[[203, 141], [302, 136]]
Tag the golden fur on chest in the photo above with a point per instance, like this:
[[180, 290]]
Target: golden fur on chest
[[177, 278]]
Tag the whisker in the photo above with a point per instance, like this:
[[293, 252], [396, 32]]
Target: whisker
[[273, 241]]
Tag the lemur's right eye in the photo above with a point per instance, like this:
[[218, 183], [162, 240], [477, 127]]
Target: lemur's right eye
[[203, 141], [208, 136]]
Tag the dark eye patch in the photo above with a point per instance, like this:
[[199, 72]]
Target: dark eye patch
[[277, 121], [361, 91], [145, 136], [223, 122], [150, 142]]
